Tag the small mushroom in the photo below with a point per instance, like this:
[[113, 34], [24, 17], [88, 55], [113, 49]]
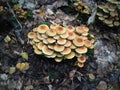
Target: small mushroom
[[68, 43], [58, 48], [61, 41], [35, 39], [39, 36], [51, 32], [50, 40], [42, 28], [101, 18], [31, 35], [60, 30], [46, 50], [53, 26], [40, 45], [81, 50], [66, 51], [81, 29], [58, 59], [72, 35], [64, 35], [51, 46], [78, 41], [37, 51], [81, 65], [56, 37], [81, 59], [88, 43], [70, 55], [116, 23], [70, 28], [99, 14], [52, 56], [108, 21], [45, 41]]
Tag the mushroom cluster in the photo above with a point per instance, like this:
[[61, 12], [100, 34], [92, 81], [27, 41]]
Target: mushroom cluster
[[81, 7], [61, 43], [19, 11], [109, 13]]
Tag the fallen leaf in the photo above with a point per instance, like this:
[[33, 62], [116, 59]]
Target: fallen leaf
[[24, 55], [71, 74], [12, 70], [7, 39]]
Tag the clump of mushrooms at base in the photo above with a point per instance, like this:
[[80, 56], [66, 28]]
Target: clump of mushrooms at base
[[62, 42]]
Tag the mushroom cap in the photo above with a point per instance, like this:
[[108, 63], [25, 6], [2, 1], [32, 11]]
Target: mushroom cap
[[66, 51], [44, 36], [31, 35], [116, 23], [34, 46], [46, 50], [53, 55], [92, 41], [64, 35], [81, 29], [92, 46], [42, 28], [53, 26], [36, 39], [72, 35], [101, 18], [37, 51], [86, 11], [81, 50], [51, 40], [113, 13], [70, 55], [59, 55], [32, 42], [78, 41], [70, 28], [80, 65], [56, 37], [100, 14], [60, 30], [34, 29], [61, 41], [105, 10], [108, 21], [85, 34], [58, 59], [51, 32], [100, 6], [68, 43], [73, 46], [40, 45], [88, 43], [81, 59], [51, 46], [45, 41], [58, 48], [110, 25], [39, 36]]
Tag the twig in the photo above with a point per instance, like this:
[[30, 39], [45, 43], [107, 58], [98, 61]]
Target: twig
[[16, 31], [14, 14]]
